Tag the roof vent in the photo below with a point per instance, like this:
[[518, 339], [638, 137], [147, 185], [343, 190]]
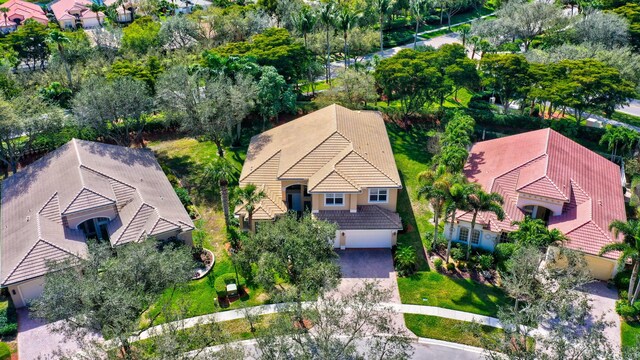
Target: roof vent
[[28, 218], [600, 202]]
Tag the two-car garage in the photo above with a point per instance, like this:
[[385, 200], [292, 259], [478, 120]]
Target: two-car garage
[[365, 239]]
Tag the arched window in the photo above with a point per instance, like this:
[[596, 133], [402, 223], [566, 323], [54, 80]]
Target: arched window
[[96, 228]]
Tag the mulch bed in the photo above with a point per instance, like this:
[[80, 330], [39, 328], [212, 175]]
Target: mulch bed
[[467, 274]]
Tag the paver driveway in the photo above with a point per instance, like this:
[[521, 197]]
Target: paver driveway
[[360, 265], [603, 302]]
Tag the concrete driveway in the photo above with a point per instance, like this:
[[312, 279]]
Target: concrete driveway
[[36, 340], [360, 265], [603, 302]]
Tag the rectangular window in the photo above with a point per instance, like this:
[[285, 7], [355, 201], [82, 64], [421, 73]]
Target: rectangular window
[[378, 195], [464, 234], [334, 199], [504, 236], [475, 237]]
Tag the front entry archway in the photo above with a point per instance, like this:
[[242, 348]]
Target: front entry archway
[[96, 228], [298, 199]]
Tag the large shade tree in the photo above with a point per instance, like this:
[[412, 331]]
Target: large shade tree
[[113, 288], [116, 109]]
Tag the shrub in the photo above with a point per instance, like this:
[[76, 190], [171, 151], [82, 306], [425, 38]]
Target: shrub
[[622, 280], [458, 254], [624, 309], [5, 351], [183, 195], [485, 261], [406, 260], [451, 266], [193, 211], [438, 264], [8, 319], [503, 251]]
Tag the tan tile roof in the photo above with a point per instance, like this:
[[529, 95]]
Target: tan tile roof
[[334, 148], [81, 176], [546, 163], [368, 217]]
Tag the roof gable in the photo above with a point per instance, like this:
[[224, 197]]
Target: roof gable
[[35, 261], [85, 200]]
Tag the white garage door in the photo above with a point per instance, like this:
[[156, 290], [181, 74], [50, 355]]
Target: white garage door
[[31, 289], [368, 238]]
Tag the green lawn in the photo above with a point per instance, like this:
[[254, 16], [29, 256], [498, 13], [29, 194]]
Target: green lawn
[[461, 332], [630, 333], [626, 118], [412, 157], [186, 157], [434, 289]]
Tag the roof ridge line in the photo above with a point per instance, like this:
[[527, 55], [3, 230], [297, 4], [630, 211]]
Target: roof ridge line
[[375, 167], [48, 201], [256, 169], [314, 148], [75, 148], [131, 220], [109, 177], [346, 178], [80, 192], [21, 261], [381, 210], [516, 168]]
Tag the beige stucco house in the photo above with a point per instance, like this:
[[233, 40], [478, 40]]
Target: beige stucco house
[[545, 175], [82, 190], [336, 163]]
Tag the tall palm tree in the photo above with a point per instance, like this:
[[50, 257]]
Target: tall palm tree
[[619, 137], [250, 196], [305, 21], [221, 172], [464, 31], [536, 233], [5, 11], [481, 201], [458, 199], [434, 187], [98, 8], [382, 7], [629, 251], [417, 8], [58, 39], [327, 19], [345, 20]]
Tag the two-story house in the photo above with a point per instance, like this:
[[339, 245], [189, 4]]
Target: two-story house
[[336, 163], [82, 190], [545, 175]]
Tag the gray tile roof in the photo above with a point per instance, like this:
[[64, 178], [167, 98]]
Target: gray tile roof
[[368, 217], [78, 177]]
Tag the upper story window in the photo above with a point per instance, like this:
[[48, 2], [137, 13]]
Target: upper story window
[[334, 199], [378, 195]]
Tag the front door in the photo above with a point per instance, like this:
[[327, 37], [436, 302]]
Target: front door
[[296, 202]]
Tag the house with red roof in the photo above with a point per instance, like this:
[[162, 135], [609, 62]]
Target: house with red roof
[[76, 13], [545, 175], [18, 12]]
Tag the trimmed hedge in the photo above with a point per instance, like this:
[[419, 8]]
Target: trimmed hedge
[[8, 317]]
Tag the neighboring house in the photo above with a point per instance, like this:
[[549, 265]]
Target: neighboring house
[[187, 6], [123, 9], [19, 12], [76, 13], [82, 190], [547, 176], [336, 163]]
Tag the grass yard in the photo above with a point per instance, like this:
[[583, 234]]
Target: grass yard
[[630, 333], [457, 331], [434, 289], [186, 158], [626, 118], [412, 157]]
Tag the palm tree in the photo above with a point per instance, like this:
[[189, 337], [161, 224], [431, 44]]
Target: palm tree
[[327, 18], [458, 199], [417, 8], [5, 11], [434, 187], [618, 136], [486, 202], [250, 197], [345, 20], [406, 260], [629, 251], [98, 8], [59, 39], [464, 31], [382, 7], [221, 172], [305, 21]]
